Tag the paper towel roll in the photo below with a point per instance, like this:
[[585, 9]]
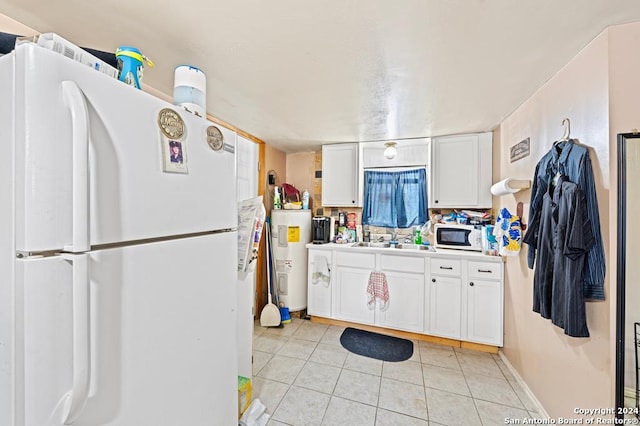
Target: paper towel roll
[[509, 186]]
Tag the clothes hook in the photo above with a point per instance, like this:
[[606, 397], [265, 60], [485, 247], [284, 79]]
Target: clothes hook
[[567, 129]]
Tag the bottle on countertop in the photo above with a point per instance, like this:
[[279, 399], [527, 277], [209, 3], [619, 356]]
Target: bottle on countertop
[[333, 229], [418, 236], [305, 200], [277, 203], [342, 218]]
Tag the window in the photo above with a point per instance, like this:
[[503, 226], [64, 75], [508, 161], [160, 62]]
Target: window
[[395, 199]]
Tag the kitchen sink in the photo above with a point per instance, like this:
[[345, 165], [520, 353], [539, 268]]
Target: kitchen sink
[[371, 244], [406, 246], [414, 247], [376, 244]]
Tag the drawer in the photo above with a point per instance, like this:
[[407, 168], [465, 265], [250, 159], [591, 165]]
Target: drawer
[[445, 267], [490, 270], [389, 262], [356, 260]]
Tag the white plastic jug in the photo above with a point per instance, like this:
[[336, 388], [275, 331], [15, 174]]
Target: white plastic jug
[[189, 89]]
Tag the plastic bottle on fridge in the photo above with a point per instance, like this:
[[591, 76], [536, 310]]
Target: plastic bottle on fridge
[[305, 200]]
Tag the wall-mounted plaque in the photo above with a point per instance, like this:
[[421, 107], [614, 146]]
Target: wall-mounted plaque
[[520, 150]]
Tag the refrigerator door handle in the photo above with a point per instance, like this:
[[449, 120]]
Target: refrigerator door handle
[[74, 100], [77, 397]]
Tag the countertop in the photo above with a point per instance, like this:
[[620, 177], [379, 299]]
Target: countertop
[[439, 252]]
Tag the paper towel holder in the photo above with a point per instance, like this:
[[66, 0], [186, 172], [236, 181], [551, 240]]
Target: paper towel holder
[[510, 186]]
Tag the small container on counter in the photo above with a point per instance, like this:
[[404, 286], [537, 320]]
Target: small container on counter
[[351, 220], [342, 218], [489, 241]]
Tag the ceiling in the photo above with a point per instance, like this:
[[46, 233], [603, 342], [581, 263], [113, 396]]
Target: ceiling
[[300, 73]]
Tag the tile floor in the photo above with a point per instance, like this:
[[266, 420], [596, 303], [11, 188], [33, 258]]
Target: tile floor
[[305, 377]]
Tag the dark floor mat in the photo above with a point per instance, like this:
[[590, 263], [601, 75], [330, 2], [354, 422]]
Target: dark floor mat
[[374, 345]]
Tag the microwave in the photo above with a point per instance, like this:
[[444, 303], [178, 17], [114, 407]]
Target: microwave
[[463, 237]]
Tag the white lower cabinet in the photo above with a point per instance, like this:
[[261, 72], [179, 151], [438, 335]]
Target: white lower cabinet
[[445, 301], [458, 297], [466, 300], [350, 288], [445, 307], [484, 297], [405, 281], [350, 298], [319, 290]]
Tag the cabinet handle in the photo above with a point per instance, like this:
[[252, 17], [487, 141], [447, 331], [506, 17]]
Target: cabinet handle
[[353, 201], [488, 271], [433, 280], [471, 284], [436, 201], [447, 267]]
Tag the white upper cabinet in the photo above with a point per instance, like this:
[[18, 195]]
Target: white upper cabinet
[[341, 175], [461, 171], [409, 153]]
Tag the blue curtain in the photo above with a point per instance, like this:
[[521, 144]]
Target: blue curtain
[[395, 199]]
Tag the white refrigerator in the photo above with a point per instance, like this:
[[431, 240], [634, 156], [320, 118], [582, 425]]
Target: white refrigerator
[[117, 296]]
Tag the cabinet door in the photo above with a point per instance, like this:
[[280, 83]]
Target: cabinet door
[[350, 295], [461, 171], [340, 175], [319, 291], [445, 306], [484, 311], [405, 310], [455, 171]]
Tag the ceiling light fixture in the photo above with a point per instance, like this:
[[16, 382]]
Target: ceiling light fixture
[[390, 150]]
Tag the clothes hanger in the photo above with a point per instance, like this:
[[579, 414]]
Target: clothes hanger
[[567, 132], [565, 137]]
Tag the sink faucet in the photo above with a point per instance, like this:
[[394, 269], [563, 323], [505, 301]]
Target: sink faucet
[[394, 234]]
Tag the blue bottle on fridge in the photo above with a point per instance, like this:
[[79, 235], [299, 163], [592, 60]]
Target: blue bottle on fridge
[[130, 65]]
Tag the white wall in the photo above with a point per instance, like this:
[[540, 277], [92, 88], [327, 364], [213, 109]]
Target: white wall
[[11, 26], [563, 372], [624, 89]]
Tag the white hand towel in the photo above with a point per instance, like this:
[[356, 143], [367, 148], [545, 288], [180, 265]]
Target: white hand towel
[[377, 289], [321, 273]]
